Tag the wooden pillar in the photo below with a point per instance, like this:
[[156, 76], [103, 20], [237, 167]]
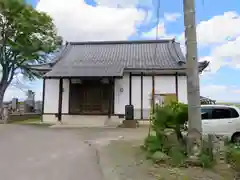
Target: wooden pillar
[[113, 95], [43, 98], [153, 93], [176, 85], [60, 99], [111, 99], [130, 88], [141, 95], [69, 94]]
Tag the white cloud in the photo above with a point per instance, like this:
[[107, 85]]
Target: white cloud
[[221, 93], [19, 87], [162, 33], [118, 3], [20, 93], [221, 34], [236, 91], [77, 21], [219, 29], [171, 16], [226, 54]]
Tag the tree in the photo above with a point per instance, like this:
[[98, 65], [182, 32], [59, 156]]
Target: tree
[[26, 37]]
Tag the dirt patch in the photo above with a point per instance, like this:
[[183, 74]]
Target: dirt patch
[[125, 159]]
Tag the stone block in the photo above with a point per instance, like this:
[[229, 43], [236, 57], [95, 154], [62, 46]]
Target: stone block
[[130, 123]]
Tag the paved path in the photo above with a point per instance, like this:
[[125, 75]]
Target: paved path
[[40, 153]]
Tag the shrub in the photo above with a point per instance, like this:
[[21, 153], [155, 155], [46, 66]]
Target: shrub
[[152, 144], [173, 115], [206, 160], [233, 156], [177, 156], [166, 122]]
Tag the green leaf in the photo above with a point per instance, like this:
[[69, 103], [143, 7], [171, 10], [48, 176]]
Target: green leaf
[[27, 35]]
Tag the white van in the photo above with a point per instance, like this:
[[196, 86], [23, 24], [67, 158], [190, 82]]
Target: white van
[[221, 120]]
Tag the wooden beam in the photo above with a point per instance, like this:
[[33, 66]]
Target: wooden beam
[[153, 93], [111, 99], [113, 95], [176, 85], [69, 94], [43, 97], [130, 88], [60, 99], [141, 95]]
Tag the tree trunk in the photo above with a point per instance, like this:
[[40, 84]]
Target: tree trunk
[[1, 105], [3, 87]]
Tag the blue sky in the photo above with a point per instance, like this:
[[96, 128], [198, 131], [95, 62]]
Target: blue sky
[[218, 27]]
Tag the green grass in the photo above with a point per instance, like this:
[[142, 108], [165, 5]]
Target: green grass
[[33, 121]]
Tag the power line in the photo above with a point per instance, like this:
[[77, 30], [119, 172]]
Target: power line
[[158, 18], [157, 30]]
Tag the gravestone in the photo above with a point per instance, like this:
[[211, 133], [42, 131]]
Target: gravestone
[[5, 114], [29, 103], [38, 106], [14, 104]]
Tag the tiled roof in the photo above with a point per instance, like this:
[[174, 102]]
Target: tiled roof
[[112, 58]]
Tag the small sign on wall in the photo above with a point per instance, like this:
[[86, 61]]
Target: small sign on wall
[[76, 81], [159, 99]]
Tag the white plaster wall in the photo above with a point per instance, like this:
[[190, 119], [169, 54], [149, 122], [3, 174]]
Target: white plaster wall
[[65, 99], [182, 89], [147, 91], [47, 118], [165, 84], [121, 98], [51, 95], [136, 96]]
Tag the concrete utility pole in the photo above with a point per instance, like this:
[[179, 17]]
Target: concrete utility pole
[[192, 67]]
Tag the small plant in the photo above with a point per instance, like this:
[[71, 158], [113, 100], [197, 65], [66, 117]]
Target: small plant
[[206, 160], [233, 156], [177, 156], [166, 123], [173, 115], [152, 144]]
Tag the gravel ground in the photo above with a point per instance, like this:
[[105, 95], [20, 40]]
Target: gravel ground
[[126, 161], [39, 153]]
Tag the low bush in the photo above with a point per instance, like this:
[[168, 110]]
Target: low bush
[[167, 123], [152, 144], [177, 155], [171, 116], [206, 160], [233, 156]]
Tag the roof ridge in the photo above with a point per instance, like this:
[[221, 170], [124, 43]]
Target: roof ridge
[[172, 52], [180, 61], [122, 42], [62, 53]]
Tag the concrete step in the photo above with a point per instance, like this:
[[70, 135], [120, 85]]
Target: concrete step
[[90, 120]]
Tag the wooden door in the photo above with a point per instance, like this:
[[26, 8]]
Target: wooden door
[[91, 97]]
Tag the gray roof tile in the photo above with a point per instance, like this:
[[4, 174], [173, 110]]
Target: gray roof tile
[[112, 58]]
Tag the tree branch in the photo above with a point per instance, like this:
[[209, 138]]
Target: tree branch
[[11, 75]]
